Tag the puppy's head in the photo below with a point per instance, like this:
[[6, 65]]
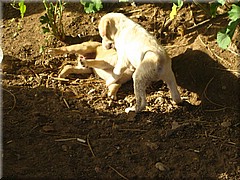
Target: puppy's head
[[107, 29]]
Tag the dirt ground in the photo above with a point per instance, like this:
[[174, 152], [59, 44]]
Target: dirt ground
[[54, 129]]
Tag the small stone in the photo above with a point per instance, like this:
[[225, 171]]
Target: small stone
[[65, 148], [226, 124], [48, 128], [151, 145], [224, 87], [160, 166]]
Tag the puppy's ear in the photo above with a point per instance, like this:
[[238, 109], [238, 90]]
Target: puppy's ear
[[104, 27], [107, 28]]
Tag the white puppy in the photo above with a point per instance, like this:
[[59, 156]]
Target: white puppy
[[138, 49]]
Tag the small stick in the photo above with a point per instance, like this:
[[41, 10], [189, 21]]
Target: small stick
[[118, 172], [216, 137], [205, 95], [69, 139], [66, 139], [176, 46], [215, 110], [89, 145], [140, 130], [60, 79], [64, 100], [81, 140], [206, 46], [235, 72], [14, 100], [206, 22]]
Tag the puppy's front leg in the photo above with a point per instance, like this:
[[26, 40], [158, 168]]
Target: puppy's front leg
[[120, 67], [112, 79]]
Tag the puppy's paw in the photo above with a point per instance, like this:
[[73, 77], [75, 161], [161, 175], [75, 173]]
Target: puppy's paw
[[130, 109], [82, 61], [112, 90], [177, 99], [112, 96]]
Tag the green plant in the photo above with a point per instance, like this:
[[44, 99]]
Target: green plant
[[91, 6], [52, 20], [21, 7], [224, 37], [177, 4]]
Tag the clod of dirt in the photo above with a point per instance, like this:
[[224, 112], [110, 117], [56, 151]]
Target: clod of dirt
[[48, 128], [131, 116], [151, 145], [65, 148], [226, 124], [160, 166]]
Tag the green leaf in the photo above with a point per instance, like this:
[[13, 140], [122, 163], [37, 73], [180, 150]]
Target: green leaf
[[44, 19], [22, 8], [92, 6], [98, 5], [234, 13], [180, 3], [174, 11], [222, 2], [231, 27], [213, 9], [45, 30], [223, 40]]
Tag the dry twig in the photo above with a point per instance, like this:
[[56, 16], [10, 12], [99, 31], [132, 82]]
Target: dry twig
[[205, 23], [64, 100], [216, 104], [65, 139], [14, 100], [60, 79], [89, 145], [118, 172], [220, 58], [134, 130]]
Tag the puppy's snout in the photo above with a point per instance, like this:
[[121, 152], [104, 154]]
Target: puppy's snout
[[111, 45]]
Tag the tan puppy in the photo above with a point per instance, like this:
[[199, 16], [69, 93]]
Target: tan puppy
[[101, 62], [136, 48]]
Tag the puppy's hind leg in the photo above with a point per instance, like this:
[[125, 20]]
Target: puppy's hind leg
[[140, 83], [169, 78]]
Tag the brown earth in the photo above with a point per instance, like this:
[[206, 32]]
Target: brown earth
[[65, 130]]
